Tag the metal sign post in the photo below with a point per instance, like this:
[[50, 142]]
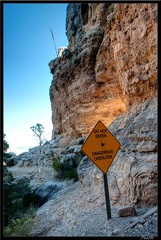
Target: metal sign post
[[101, 148], [108, 207]]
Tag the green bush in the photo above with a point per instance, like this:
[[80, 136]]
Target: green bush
[[17, 220], [71, 173], [30, 199], [7, 176], [6, 156], [21, 226], [57, 165], [13, 193], [78, 159], [65, 171]]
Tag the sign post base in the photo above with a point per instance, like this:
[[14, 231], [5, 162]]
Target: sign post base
[[108, 208]]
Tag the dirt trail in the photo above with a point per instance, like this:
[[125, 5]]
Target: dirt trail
[[80, 211]]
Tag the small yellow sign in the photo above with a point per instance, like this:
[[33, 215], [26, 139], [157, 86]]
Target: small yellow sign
[[101, 147]]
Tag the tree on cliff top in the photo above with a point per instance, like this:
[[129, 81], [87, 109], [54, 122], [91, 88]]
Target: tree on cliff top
[[38, 131]]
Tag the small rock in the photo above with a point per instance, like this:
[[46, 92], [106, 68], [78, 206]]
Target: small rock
[[133, 219], [140, 225], [149, 221], [99, 176], [116, 231], [146, 224], [142, 221], [152, 230], [126, 211], [20, 163], [110, 234], [146, 146]]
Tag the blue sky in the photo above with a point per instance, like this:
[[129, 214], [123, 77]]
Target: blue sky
[[28, 48]]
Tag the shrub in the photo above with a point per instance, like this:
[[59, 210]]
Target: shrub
[[14, 192], [31, 211], [78, 159], [64, 170], [21, 226], [30, 199], [71, 173], [7, 176], [6, 156], [57, 165]]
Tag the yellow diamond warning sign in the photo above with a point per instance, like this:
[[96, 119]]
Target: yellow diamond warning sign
[[101, 147]]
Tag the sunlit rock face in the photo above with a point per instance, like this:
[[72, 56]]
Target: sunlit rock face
[[131, 56], [109, 66]]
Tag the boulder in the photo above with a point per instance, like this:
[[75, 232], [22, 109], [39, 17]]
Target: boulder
[[84, 171], [46, 191], [61, 50], [77, 141], [69, 159], [126, 211], [146, 146]]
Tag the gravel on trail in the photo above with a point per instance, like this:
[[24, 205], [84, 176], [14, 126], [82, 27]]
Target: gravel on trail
[[79, 212]]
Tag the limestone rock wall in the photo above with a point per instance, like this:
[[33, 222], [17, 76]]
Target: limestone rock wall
[[133, 174], [110, 65], [131, 54]]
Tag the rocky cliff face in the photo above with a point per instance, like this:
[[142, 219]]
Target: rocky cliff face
[[133, 174], [110, 65]]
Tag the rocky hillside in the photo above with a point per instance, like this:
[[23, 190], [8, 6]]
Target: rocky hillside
[[108, 73], [78, 209], [133, 175]]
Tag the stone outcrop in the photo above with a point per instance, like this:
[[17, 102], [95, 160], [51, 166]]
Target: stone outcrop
[[109, 66], [127, 211], [133, 174], [36, 164], [46, 191], [61, 50]]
